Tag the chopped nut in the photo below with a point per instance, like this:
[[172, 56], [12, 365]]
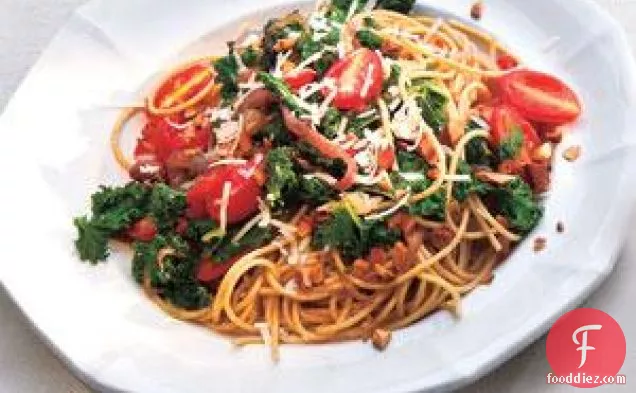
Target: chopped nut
[[543, 152], [477, 10], [560, 227], [540, 244], [284, 44], [572, 153], [380, 339], [499, 179]]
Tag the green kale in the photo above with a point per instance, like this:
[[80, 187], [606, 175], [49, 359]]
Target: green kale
[[276, 29], [432, 102], [274, 132], [369, 39], [478, 152], [411, 162], [282, 181], [197, 228], [370, 22], [251, 57], [401, 6], [166, 205], [335, 167], [353, 238], [254, 238], [227, 74], [461, 190], [433, 206], [173, 277], [315, 191], [510, 147], [92, 242], [358, 124], [339, 9], [307, 46], [393, 78], [516, 202], [113, 210], [330, 123], [107, 199], [280, 88]]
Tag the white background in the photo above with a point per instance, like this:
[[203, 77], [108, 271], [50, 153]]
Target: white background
[[27, 365]]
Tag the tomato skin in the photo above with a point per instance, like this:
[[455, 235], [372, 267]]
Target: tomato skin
[[179, 79], [296, 80], [204, 198], [350, 74], [143, 230], [160, 139], [506, 62], [539, 97], [208, 270], [504, 119], [386, 158]]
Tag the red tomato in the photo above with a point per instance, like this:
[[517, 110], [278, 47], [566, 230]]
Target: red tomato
[[506, 62], [208, 270], [204, 198], [298, 79], [186, 83], [504, 121], [182, 226], [360, 70], [160, 139], [539, 97], [143, 230], [386, 158]]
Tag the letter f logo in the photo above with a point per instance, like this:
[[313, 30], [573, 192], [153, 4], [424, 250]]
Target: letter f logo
[[583, 344]]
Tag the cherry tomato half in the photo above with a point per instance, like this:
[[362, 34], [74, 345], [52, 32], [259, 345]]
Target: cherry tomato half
[[504, 120], [208, 270], [539, 97], [159, 138], [298, 79], [358, 79], [183, 85], [506, 62], [143, 230], [204, 198]]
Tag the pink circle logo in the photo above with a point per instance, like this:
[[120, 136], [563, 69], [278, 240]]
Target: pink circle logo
[[585, 347]]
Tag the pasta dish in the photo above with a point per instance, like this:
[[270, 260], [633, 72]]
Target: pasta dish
[[334, 176]]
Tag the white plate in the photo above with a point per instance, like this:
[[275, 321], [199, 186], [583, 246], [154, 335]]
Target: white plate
[[54, 152]]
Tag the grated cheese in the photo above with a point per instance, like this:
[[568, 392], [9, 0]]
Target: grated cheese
[[390, 211], [247, 227], [327, 178], [291, 286], [225, 200], [480, 122], [263, 329], [364, 91], [457, 178]]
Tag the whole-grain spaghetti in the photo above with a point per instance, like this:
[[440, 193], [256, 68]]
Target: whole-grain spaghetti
[[336, 176]]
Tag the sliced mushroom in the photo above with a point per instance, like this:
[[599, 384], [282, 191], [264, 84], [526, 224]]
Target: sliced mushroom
[[499, 179], [147, 170], [257, 99]]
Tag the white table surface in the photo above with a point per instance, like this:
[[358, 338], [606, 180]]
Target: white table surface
[[27, 365]]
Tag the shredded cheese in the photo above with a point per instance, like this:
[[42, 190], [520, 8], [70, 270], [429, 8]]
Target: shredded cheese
[[263, 329], [247, 227], [364, 91], [457, 178], [390, 211], [225, 200]]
